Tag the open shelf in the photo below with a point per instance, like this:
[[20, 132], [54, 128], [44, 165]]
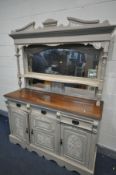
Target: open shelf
[[63, 79]]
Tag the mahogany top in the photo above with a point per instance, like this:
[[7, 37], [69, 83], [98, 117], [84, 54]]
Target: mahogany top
[[65, 103]]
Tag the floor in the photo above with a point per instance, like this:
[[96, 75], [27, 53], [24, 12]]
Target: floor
[[17, 161]]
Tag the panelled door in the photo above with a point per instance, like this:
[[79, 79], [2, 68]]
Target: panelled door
[[45, 130], [75, 144], [19, 124]]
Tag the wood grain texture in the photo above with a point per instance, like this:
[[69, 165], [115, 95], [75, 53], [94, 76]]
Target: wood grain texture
[[70, 104]]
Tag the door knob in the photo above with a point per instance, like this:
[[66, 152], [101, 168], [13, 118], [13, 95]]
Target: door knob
[[32, 132], [27, 131]]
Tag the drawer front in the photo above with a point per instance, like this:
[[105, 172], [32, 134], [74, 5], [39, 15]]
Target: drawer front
[[41, 112], [18, 105], [45, 129], [43, 119], [77, 121]]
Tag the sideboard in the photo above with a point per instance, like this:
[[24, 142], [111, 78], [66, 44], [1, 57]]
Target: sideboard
[[58, 111]]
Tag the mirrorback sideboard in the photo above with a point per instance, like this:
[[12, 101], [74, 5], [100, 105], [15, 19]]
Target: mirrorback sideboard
[[58, 111]]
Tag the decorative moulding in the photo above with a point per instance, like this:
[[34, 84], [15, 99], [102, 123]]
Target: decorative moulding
[[77, 31], [82, 22], [28, 27], [96, 45], [52, 23]]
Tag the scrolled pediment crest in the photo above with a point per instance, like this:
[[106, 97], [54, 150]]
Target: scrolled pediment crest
[[52, 23], [77, 21], [28, 27]]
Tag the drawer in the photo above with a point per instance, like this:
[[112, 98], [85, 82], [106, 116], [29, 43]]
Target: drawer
[[42, 113], [44, 119], [18, 105], [77, 121]]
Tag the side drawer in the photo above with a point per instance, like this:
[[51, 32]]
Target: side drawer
[[77, 121], [17, 105]]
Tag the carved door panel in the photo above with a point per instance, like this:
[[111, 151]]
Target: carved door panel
[[75, 144], [45, 132], [19, 124]]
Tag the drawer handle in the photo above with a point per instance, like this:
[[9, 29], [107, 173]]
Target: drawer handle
[[18, 105], [43, 112], [75, 122]]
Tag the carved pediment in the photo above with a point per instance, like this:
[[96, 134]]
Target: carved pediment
[[28, 27], [77, 21], [77, 30], [52, 24]]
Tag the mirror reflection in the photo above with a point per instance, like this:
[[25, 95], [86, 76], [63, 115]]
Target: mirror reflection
[[63, 88], [79, 61]]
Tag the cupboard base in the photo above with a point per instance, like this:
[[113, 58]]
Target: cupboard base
[[51, 156]]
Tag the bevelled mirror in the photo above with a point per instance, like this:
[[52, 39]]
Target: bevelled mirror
[[76, 60]]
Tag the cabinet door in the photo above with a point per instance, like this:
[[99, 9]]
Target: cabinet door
[[45, 131], [19, 124], [75, 144]]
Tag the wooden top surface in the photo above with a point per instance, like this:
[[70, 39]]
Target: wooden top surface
[[65, 103]]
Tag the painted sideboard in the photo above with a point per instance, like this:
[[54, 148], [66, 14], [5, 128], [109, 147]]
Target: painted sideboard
[[59, 127], [57, 123]]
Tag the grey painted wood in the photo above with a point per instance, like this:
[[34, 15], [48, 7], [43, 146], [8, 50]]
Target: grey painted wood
[[19, 124], [63, 39], [53, 134], [83, 32], [28, 27], [80, 21], [17, 50], [76, 144], [45, 129], [64, 31]]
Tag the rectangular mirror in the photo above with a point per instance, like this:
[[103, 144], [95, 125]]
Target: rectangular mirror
[[71, 60], [76, 60]]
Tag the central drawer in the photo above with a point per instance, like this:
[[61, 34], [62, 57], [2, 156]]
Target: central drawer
[[44, 119]]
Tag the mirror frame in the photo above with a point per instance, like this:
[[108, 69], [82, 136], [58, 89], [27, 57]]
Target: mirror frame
[[77, 31]]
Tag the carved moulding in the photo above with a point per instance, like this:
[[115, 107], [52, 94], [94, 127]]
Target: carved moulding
[[28, 27], [52, 23]]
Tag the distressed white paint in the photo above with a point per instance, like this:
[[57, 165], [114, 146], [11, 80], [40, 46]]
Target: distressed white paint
[[15, 14]]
